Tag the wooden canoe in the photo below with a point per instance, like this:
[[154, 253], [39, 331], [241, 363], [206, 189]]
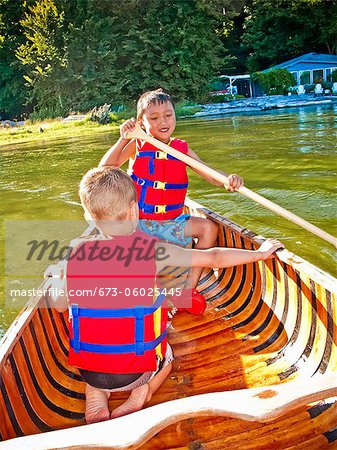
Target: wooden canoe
[[257, 371]]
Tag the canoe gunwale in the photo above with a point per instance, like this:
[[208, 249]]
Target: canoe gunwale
[[262, 404], [15, 331], [296, 262]]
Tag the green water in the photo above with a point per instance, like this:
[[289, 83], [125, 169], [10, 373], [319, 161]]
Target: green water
[[288, 156]]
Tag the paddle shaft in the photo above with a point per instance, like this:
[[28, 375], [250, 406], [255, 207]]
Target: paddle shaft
[[138, 133]]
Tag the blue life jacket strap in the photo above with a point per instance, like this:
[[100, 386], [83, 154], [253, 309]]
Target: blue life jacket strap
[[118, 349], [115, 313], [138, 312], [152, 209], [149, 183], [76, 327], [154, 155]]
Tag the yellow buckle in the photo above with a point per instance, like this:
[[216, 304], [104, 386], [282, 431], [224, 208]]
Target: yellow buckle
[[161, 155], [160, 209], [159, 185]]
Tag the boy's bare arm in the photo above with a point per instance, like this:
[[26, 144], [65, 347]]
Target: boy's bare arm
[[234, 181], [61, 303], [171, 255], [123, 149], [58, 298], [119, 153]]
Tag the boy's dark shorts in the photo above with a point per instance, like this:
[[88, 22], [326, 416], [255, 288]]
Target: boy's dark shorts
[[124, 382]]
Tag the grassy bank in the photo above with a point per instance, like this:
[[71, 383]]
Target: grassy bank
[[50, 129]]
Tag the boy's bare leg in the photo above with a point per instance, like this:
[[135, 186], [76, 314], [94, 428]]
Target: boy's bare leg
[[96, 404], [142, 394], [206, 231]]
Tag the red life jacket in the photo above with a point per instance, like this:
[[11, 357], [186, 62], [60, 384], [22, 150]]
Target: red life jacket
[[114, 326], [161, 181]]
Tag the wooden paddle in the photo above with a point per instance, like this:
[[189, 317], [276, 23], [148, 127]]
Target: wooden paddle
[[139, 133], [262, 404]]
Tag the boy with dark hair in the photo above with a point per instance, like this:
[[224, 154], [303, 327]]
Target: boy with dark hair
[[161, 181]]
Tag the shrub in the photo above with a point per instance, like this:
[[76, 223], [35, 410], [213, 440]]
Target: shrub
[[327, 85], [101, 114], [218, 98], [318, 80], [275, 81], [309, 88], [334, 76], [48, 112], [186, 108]]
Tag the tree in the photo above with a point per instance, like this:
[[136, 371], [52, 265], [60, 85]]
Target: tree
[[172, 45], [43, 53], [94, 32], [12, 88], [115, 50], [277, 30], [327, 24]]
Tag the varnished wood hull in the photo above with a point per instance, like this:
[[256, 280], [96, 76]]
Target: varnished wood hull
[[266, 324]]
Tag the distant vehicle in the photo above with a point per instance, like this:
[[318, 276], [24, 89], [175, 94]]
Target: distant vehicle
[[226, 91]]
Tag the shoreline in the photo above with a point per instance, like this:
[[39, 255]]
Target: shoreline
[[265, 103], [62, 130], [52, 131]]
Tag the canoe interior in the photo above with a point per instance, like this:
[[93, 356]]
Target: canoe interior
[[266, 323]]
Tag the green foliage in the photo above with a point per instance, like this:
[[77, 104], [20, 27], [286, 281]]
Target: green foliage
[[101, 114], [334, 76], [58, 56], [275, 81], [47, 112], [309, 88], [171, 44], [222, 98], [186, 108], [78, 54], [327, 85], [12, 87], [277, 30], [40, 25], [42, 55], [218, 98]]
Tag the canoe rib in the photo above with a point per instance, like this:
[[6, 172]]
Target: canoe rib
[[267, 340]]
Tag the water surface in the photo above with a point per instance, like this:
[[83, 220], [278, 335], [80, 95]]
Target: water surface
[[288, 156]]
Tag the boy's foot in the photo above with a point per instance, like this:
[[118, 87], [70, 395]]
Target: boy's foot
[[138, 397], [193, 298], [96, 405]]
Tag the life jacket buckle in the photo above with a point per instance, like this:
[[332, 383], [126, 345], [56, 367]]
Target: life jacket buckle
[[160, 209], [140, 181], [159, 185], [160, 155]]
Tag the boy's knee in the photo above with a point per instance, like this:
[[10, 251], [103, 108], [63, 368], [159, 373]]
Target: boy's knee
[[209, 230], [203, 229], [212, 227]]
